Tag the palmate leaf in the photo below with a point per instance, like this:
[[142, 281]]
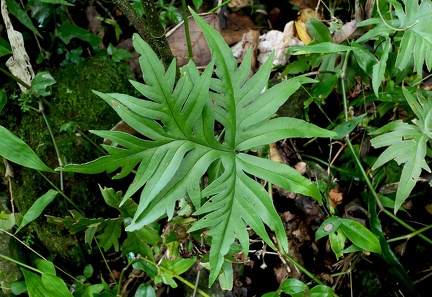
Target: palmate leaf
[[407, 144], [178, 122]]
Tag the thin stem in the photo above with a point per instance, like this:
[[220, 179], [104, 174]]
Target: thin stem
[[36, 253], [61, 193], [186, 26], [105, 261], [122, 273], [411, 235], [198, 275], [42, 112]]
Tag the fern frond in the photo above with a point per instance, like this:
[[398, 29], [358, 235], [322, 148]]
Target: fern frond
[[178, 122], [407, 145]]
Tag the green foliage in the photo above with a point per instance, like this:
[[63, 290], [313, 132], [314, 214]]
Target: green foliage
[[37, 208], [14, 149], [199, 134], [295, 288], [358, 234], [179, 123], [45, 284], [167, 11], [412, 26], [407, 144]]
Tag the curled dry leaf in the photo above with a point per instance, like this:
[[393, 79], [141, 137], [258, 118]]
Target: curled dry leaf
[[177, 40], [9, 170], [19, 64]]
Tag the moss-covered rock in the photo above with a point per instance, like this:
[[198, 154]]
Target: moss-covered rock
[[78, 106]]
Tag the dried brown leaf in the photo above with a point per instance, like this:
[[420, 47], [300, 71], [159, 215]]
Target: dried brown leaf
[[177, 40]]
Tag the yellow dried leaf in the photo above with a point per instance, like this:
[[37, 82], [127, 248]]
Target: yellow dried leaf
[[300, 24]]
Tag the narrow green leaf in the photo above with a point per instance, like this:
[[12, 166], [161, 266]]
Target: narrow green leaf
[[14, 149], [360, 235], [3, 99], [327, 227], [276, 129], [37, 208], [279, 174], [321, 48], [352, 249], [22, 16], [378, 69], [4, 51]]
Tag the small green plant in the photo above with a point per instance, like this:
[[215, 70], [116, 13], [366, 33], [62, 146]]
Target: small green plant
[[407, 144], [295, 288], [180, 147]]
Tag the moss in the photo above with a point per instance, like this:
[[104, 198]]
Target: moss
[[9, 247], [73, 97]]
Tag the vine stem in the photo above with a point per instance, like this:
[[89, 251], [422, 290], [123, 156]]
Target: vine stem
[[360, 165]]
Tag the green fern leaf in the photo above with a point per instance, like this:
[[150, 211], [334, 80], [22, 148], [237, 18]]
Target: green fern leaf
[[413, 25], [407, 144], [178, 122]]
